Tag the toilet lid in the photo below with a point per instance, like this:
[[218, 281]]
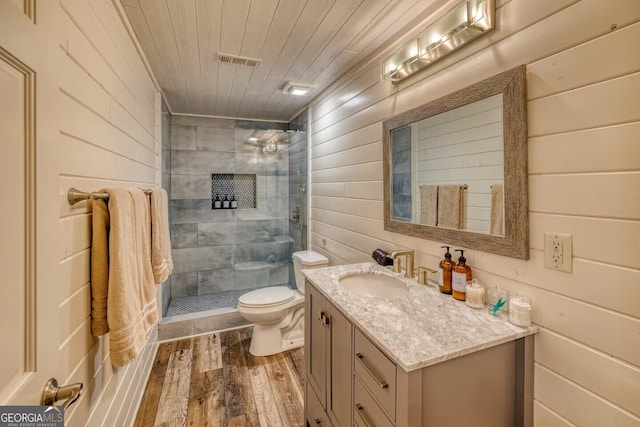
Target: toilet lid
[[266, 297], [310, 258]]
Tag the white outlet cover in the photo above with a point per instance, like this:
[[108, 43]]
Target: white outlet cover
[[551, 241]]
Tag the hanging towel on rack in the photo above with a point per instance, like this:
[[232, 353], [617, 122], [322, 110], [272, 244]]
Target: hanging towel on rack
[[449, 206], [99, 267], [497, 218], [131, 306], [161, 261], [429, 204]]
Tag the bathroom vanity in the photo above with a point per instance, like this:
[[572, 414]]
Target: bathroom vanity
[[419, 358]]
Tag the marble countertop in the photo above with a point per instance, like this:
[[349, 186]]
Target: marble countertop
[[419, 329]]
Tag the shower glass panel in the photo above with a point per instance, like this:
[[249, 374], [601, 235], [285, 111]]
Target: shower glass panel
[[219, 254]]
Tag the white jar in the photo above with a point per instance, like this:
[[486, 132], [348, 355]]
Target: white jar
[[475, 294], [520, 310]]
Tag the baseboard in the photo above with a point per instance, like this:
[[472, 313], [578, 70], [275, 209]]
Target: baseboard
[[123, 407]]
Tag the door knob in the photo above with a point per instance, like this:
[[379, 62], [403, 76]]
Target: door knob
[[51, 393]]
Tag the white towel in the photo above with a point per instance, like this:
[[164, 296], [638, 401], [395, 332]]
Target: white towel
[[131, 308], [99, 267], [429, 205], [161, 261], [449, 206]]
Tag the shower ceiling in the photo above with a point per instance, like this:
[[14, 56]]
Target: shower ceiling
[[310, 41]]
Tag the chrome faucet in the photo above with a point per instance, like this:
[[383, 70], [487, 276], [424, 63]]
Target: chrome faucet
[[409, 255]]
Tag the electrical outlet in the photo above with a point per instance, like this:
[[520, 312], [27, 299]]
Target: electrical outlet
[[557, 251]]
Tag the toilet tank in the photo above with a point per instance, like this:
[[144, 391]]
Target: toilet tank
[[303, 260]]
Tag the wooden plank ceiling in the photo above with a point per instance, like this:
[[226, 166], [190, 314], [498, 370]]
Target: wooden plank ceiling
[[309, 41]]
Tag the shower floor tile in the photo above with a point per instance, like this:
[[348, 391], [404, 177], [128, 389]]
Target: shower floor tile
[[196, 303]]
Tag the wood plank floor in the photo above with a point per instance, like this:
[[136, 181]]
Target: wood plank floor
[[213, 380]]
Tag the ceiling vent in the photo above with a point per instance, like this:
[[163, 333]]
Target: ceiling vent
[[239, 60]]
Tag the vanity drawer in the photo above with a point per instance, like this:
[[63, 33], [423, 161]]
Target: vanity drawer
[[315, 414], [366, 412], [376, 372]]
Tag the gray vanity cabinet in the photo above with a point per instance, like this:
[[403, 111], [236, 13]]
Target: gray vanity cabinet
[[352, 382], [328, 353]]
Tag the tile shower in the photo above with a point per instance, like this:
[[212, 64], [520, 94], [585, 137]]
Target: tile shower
[[220, 254]]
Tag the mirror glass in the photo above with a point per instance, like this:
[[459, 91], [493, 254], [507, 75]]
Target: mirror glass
[[451, 165], [455, 169]]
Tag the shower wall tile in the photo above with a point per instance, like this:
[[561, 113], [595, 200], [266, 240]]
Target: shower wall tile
[[279, 227], [184, 236], [184, 284], [215, 139], [201, 259], [277, 164], [202, 121], [277, 186], [253, 231], [183, 137], [279, 275], [191, 187], [194, 210], [249, 163], [251, 278], [219, 250], [166, 183], [277, 207], [166, 161], [212, 281], [216, 233], [265, 252], [201, 162]]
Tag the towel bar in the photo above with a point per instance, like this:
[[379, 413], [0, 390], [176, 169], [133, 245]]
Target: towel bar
[[74, 195]]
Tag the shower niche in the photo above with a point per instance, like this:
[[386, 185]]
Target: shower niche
[[242, 187]]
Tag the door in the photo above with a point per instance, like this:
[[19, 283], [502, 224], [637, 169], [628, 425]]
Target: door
[[29, 226], [316, 354], [339, 388]]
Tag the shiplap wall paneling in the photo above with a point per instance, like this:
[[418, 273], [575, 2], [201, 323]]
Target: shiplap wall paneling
[[107, 109], [584, 122]]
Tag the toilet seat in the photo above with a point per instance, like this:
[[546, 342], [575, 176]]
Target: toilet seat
[[267, 297]]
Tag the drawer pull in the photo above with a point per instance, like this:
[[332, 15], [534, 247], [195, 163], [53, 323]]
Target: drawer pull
[[323, 318], [360, 410], [318, 421], [381, 383]]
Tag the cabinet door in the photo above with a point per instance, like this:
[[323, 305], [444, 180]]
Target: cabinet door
[[340, 369], [316, 354]]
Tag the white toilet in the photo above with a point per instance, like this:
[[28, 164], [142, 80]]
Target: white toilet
[[278, 312]]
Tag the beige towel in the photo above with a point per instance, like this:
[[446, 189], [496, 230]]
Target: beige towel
[[429, 204], [161, 261], [99, 268], [132, 309], [449, 206], [497, 218]]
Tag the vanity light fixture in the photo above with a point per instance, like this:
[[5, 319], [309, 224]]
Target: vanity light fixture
[[296, 88], [463, 23]]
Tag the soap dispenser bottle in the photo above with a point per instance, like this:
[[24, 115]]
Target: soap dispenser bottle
[[445, 270], [461, 275]]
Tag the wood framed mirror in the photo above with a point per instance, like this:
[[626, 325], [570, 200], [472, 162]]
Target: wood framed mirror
[[455, 169]]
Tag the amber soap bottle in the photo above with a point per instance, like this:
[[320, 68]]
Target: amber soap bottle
[[461, 275], [445, 270]]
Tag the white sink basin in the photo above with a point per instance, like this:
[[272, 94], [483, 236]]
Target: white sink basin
[[374, 285]]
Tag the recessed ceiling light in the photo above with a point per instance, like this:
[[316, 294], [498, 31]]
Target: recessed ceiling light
[[296, 88]]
